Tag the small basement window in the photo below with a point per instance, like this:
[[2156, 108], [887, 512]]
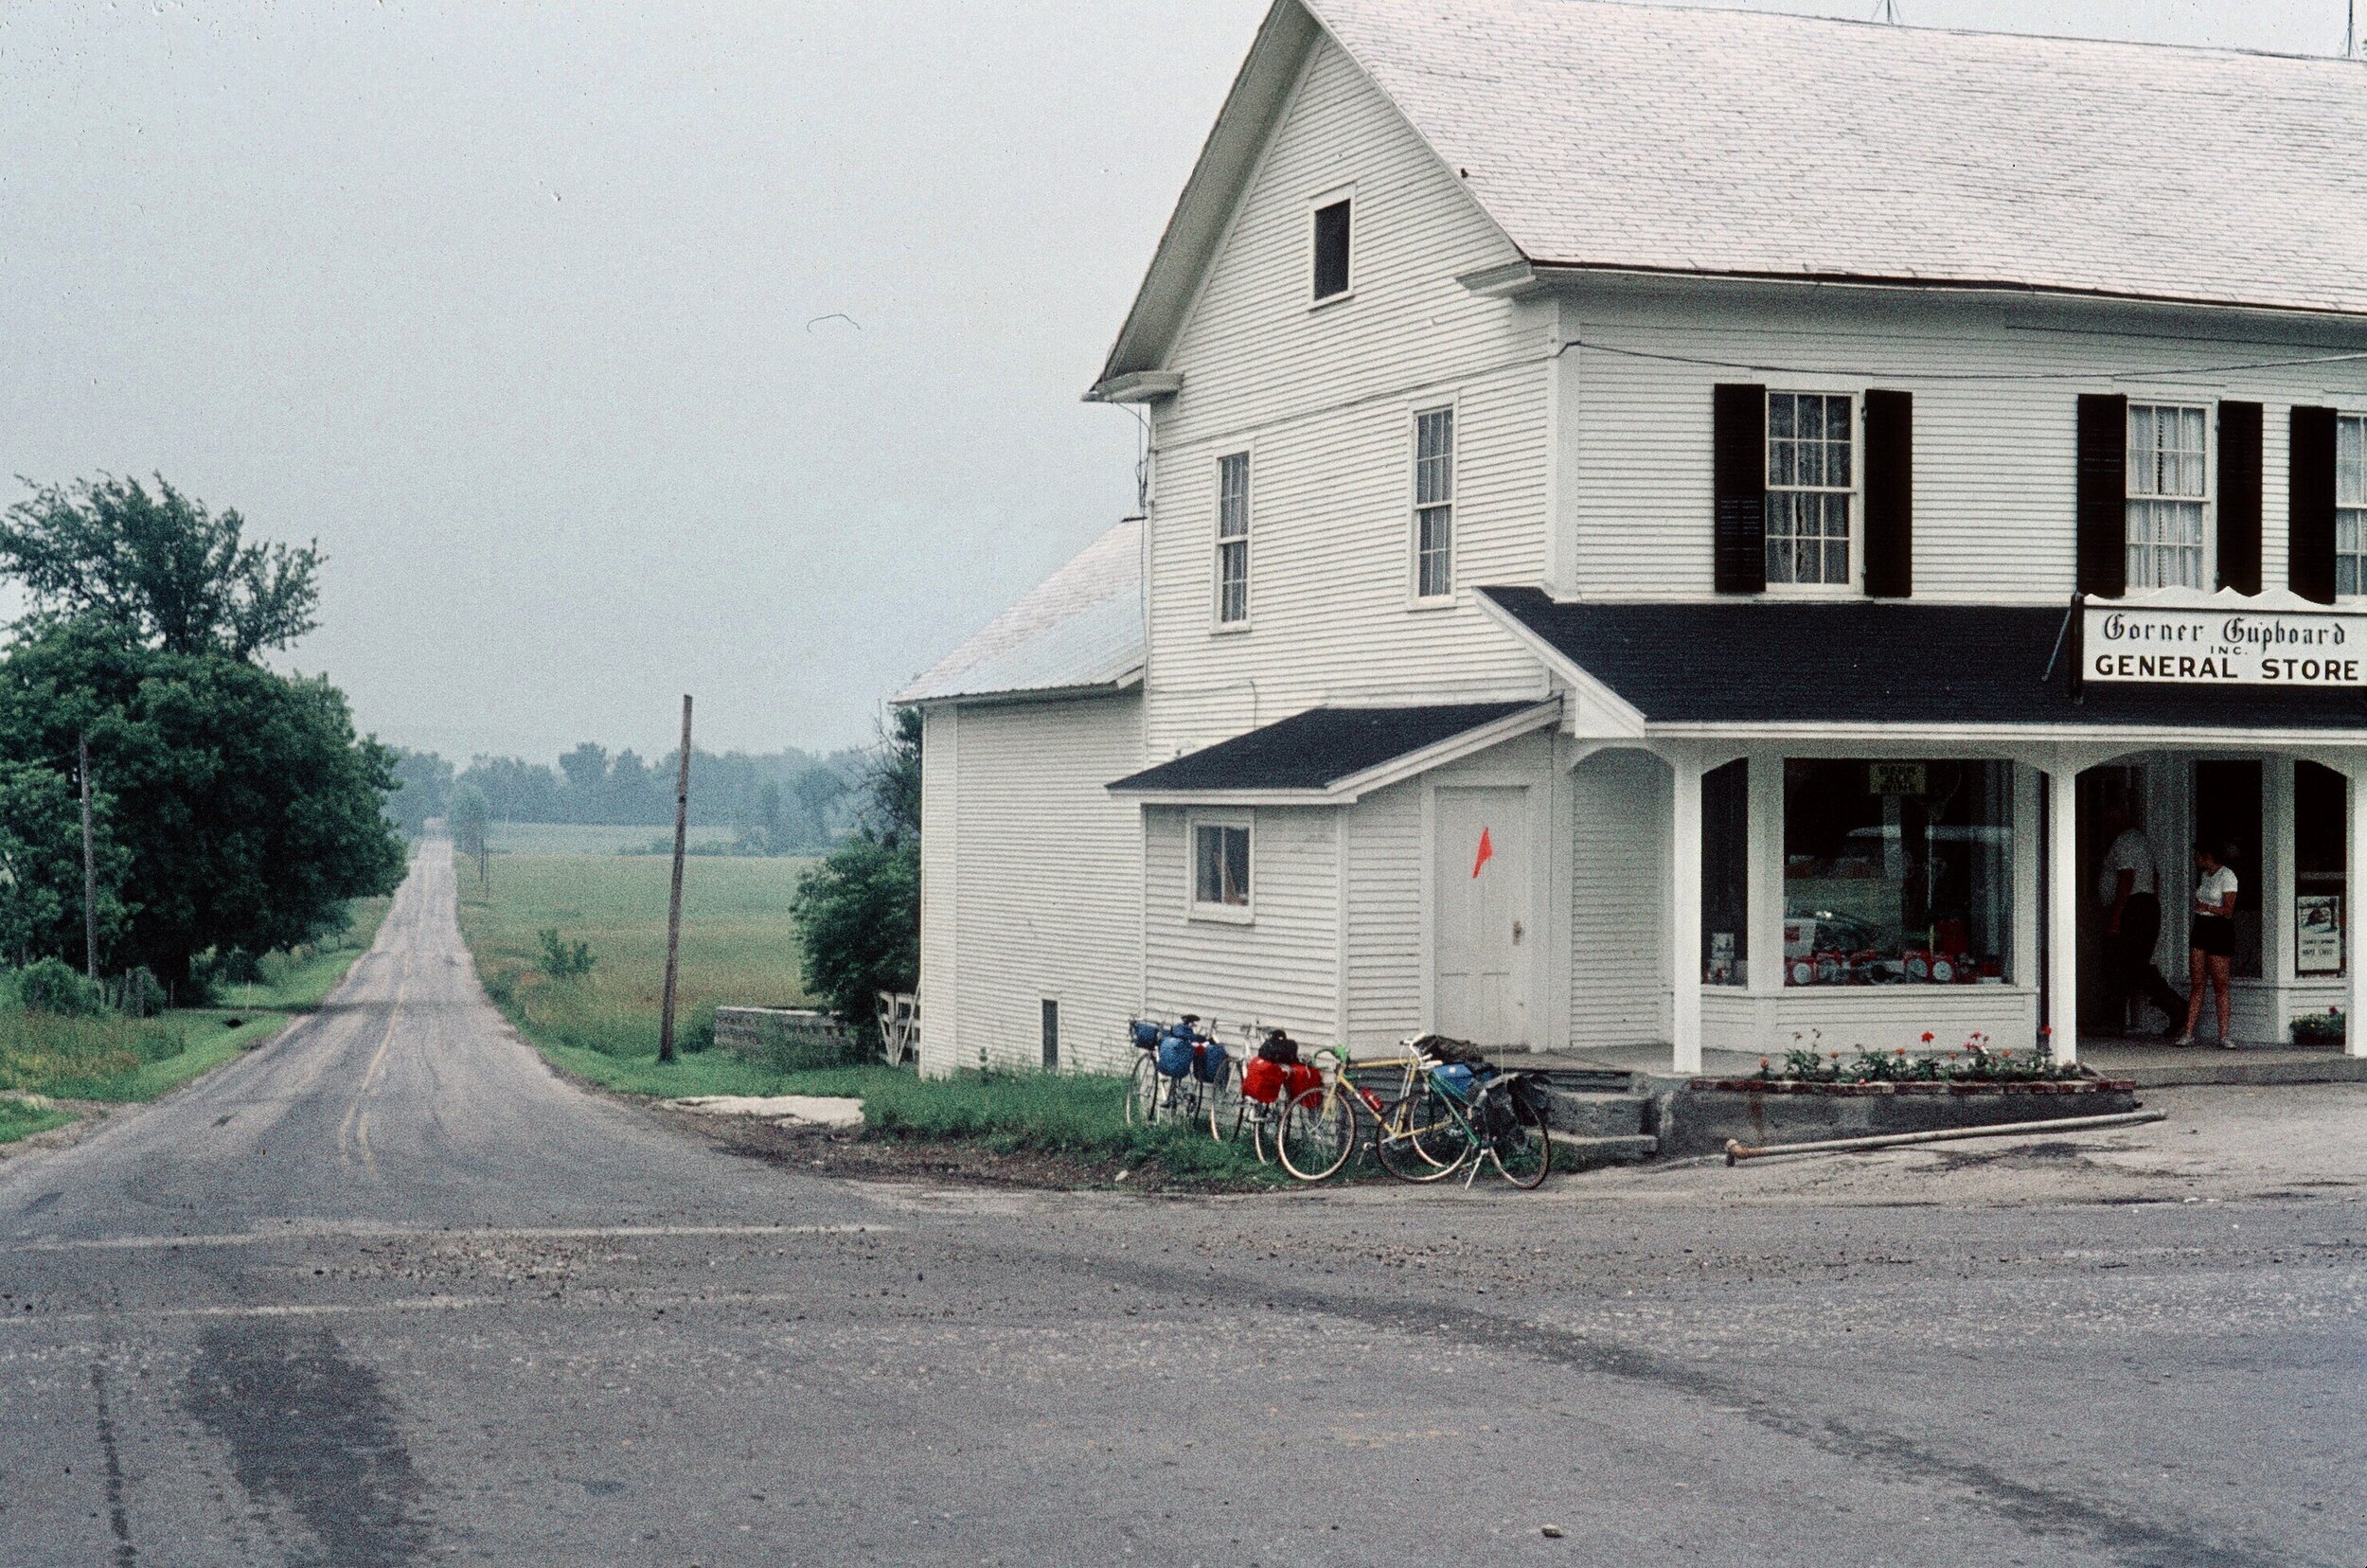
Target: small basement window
[[1331, 249], [1220, 869]]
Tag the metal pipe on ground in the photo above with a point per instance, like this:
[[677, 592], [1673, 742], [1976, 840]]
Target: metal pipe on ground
[[1736, 1150]]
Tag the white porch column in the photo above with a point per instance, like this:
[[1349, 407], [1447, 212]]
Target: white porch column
[[2062, 906], [1685, 912], [2354, 928]]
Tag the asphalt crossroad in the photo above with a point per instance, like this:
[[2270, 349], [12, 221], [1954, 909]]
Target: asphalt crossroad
[[387, 1291]]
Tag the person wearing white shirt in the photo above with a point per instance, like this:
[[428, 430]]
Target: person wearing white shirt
[[2213, 940], [2129, 888]]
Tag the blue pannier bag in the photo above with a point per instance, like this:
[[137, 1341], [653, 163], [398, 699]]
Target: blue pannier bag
[[1176, 1053], [1146, 1035], [1209, 1067], [1455, 1078]]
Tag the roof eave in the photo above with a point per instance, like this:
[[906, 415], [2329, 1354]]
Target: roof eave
[[1259, 90], [1112, 687]]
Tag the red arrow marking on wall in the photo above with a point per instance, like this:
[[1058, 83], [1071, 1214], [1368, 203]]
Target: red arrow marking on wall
[[1487, 852]]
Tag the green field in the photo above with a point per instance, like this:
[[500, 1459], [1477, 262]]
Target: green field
[[577, 838], [738, 946]]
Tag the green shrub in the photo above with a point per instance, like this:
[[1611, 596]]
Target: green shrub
[[561, 961], [51, 986], [859, 921]]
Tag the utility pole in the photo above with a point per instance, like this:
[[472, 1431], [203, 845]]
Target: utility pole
[[90, 867], [673, 910]]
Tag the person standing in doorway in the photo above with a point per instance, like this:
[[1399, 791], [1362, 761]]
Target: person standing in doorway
[[2213, 940], [2129, 885]]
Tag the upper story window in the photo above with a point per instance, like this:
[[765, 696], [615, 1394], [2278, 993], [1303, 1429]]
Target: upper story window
[[1220, 868], [2350, 506], [1811, 485], [1233, 539], [2168, 488], [1331, 249], [1433, 504]]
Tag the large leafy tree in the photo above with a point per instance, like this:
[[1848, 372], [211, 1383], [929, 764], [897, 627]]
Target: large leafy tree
[[244, 808], [158, 564], [41, 864], [859, 912]]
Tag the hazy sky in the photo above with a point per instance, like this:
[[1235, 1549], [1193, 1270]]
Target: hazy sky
[[515, 308]]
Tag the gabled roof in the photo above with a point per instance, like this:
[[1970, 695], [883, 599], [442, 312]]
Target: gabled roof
[[1332, 756], [1665, 139], [1078, 632], [1858, 661]]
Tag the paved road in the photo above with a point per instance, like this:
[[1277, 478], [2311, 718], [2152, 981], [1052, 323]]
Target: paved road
[[387, 1292]]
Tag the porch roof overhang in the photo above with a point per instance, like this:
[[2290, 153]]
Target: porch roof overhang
[[1334, 756], [1797, 669]]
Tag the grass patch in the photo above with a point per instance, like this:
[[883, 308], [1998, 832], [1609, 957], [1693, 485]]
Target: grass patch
[[1081, 1115], [739, 945], [299, 981], [23, 1121], [121, 1059]]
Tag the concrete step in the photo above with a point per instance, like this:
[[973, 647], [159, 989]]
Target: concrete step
[[1573, 1152], [1583, 1114]]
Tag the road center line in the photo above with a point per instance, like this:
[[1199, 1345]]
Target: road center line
[[376, 1233]]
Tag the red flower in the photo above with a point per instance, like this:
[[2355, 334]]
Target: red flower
[[1927, 1037]]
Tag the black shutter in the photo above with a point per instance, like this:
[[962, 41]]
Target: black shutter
[[1890, 494], [1738, 481], [2309, 507], [2103, 494], [2239, 496]]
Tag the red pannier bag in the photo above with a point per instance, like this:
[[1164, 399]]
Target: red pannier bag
[[1262, 1081], [1302, 1080]]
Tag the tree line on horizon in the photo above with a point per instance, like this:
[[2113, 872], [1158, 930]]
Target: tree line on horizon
[[788, 802]]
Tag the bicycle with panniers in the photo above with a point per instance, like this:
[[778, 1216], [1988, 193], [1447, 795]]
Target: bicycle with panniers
[[1274, 1076], [1182, 1074], [1446, 1109]]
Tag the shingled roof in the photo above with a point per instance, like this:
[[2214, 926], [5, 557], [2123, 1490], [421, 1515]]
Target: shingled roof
[[1667, 139]]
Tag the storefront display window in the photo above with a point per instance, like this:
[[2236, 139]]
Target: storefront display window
[[2320, 862], [1726, 875], [1897, 873]]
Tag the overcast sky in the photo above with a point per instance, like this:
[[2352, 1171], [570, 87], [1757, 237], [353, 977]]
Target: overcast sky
[[614, 352]]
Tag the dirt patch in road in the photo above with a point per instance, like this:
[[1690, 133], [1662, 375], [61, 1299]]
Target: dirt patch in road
[[830, 1152]]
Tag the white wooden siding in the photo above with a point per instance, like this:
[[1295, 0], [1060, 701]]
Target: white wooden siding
[[1045, 868], [1323, 397], [1279, 970], [1994, 459], [1385, 952], [1618, 914]]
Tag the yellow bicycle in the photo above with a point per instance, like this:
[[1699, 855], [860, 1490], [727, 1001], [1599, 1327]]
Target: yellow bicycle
[[1437, 1119]]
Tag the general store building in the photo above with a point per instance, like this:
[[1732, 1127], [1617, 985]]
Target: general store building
[[1670, 528]]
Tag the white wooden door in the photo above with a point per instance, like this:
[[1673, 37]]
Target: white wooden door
[[1481, 882]]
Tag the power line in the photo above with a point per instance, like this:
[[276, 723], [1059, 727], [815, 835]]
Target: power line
[[2145, 373]]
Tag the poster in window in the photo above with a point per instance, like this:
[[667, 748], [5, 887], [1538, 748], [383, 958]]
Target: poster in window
[[2318, 933]]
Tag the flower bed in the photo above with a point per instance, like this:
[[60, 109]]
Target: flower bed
[[1817, 1093]]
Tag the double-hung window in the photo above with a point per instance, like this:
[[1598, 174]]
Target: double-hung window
[[1233, 539], [1220, 869], [2168, 488], [1811, 487], [2350, 506], [1433, 504]]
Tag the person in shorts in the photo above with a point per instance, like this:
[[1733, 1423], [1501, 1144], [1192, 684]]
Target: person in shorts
[[2212, 944]]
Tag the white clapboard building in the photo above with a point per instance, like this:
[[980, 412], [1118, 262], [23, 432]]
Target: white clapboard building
[[1676, 527]]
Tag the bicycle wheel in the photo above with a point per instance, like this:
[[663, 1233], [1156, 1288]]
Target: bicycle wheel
[[1226, 1108], [1522, 1151], [1318, 1134], [1144, 1092], [1420, 1138], [1265, 1128]]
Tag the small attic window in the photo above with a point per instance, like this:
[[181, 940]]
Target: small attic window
[[1332, 249]]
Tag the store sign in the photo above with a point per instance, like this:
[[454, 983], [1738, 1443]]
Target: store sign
[[2214, 641], [1894, 778]]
